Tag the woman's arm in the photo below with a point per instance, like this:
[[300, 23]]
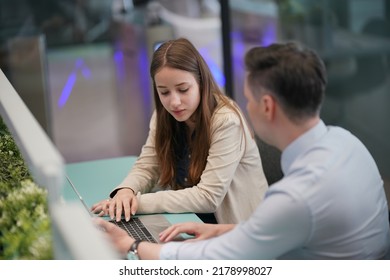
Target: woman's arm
[[141, 178]]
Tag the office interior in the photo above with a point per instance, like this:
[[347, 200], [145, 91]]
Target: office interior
[[82, 66]]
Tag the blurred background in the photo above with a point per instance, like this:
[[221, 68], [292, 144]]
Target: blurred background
[[82, 66]]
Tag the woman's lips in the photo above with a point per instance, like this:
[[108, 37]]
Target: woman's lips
[[178, 112]]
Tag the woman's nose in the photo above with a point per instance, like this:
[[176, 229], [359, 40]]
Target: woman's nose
[[175, 100]]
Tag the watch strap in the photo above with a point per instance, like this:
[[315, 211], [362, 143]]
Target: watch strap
[[134, 249]]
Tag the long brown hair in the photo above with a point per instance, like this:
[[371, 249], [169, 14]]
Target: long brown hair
[[181, 54]]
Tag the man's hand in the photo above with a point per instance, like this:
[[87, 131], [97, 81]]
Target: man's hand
[[119, 237], [199, 230]]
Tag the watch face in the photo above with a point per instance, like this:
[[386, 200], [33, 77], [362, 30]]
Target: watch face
[[132, 256]]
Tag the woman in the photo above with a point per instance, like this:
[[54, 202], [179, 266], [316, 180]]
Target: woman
[[199, 152]]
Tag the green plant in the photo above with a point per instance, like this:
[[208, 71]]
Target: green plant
[[25, 231]]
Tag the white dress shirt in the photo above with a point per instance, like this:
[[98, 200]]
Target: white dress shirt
[[329, 205]]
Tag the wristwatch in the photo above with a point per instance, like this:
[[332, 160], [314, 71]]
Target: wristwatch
[[133, 252]]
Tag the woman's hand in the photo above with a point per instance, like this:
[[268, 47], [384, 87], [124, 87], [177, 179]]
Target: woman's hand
[[119, 237], [199, 230], [124, 202]]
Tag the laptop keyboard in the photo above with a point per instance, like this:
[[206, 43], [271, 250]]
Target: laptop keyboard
[[135, 228]]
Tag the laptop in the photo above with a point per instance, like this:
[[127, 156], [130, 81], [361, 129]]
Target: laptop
[[144, 227]]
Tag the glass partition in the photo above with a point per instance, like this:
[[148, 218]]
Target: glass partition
[[82, 66], [353, 38]]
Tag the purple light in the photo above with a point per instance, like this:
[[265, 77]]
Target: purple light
[[217, 73], [238, 50], [118, 56], [214, 68], [79, 62], [120, 66], [86, 73], [143, 64], [66, 91], [269, 34]]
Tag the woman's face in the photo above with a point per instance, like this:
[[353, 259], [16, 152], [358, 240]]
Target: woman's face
[[178, 92]]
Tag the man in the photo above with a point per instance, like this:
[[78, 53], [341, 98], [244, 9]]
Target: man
[[330, 203]]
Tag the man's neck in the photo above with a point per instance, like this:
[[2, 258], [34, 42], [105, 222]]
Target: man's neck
[[292, 131]]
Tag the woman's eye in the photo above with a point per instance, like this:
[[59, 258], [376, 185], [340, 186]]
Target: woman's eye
[[183, 90], [164, 93]]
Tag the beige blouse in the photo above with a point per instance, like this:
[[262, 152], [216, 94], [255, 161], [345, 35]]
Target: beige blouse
[[231, 186]]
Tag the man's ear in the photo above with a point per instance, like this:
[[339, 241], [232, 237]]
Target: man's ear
[[268, 106]]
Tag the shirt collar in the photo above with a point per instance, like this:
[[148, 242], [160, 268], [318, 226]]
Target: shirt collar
[[299, 145]]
